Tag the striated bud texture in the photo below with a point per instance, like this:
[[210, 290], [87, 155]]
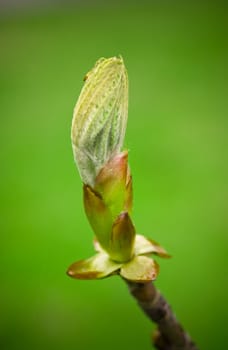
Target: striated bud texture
[[100, 117]]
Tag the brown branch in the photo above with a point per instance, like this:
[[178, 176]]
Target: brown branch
[[169, 335]]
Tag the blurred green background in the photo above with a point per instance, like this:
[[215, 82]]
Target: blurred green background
[[177, 135]]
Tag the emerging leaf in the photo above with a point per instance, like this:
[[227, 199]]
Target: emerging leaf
[[100, 117]]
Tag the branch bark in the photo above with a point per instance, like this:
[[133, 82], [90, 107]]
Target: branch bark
[[169, 334]]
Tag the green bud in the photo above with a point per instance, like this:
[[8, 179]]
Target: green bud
[[100, 117], [97, 134]]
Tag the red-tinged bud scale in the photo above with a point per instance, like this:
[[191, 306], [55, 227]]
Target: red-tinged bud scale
[[112, 183], [122, 238]]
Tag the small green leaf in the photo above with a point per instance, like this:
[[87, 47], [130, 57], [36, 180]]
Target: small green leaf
[[147, 246], [98, 266], [140, 269]]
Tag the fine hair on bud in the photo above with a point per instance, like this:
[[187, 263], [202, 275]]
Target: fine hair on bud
[[100, 117]]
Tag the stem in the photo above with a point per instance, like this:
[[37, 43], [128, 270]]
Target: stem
[[169, 335]]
